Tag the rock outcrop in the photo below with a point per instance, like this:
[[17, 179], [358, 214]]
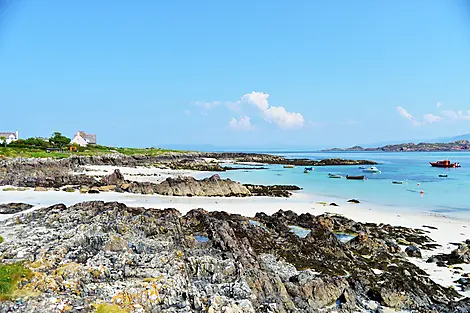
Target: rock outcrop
[[213, 186], [12, 208], [146, 260], [460, 255]]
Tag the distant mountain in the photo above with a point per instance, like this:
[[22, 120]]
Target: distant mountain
[[460, 145], [452, 139]]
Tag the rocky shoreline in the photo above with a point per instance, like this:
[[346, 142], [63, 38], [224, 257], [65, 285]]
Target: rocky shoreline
[[147, 260], [68, 174]]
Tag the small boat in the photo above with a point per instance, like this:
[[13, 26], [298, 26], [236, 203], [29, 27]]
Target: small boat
[[289, 166], [398, 182], [442, 175], [309, 168], [306, 171], [445, 164], [334, 176], [362, 167], [361, 177], [372, 169]]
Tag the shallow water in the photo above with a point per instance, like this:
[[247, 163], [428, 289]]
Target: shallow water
[[448, 195]]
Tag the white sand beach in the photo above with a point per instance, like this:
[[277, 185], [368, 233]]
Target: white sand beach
[[449, 230]]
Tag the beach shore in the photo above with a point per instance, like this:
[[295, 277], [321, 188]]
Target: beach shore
[[444, 230], [448, 230]]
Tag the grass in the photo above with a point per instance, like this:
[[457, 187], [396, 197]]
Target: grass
[[15, 189], [1, 239], [109, 308], [36, 152], [10, 276]]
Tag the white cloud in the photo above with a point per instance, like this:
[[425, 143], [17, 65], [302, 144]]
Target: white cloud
[[430, 118], [457, 115], [243, 123], [427, 118], [206, 105], [438, 104], [404, 113], [273, 114], [259, 99]]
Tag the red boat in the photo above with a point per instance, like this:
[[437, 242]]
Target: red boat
[[444, 163]]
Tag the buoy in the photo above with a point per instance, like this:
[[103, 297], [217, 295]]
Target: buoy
[[419, 184], [421, 192]]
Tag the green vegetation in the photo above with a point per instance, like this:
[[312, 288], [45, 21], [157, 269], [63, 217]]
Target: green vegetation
[[15, 189], [36, 152], [109, 308], [58, 140], [10, 276], [1, 239], [3, 140], [58, 147]]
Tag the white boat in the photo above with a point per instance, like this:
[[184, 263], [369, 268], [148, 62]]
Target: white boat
[[372, 169]]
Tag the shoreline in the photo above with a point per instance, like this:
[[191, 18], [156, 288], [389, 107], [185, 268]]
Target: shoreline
[[449, 230]]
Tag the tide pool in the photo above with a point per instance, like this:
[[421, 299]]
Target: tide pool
[[446, 195]]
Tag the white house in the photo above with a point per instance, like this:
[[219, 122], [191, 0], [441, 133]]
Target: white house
[[83, 139], [9, 136]]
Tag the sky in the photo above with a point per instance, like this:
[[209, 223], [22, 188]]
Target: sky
[[245, 73]]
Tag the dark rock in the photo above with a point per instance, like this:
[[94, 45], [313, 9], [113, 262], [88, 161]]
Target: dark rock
[[413, 251], [457, 256], [272, 191], [354, 201], [116, 178], [464, 283], [333, 204], [430, 227], [12, 208]]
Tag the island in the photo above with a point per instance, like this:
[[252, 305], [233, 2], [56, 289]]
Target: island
[[461, 145]]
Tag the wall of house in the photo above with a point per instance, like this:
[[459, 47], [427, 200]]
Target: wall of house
[[10, 138], [79, 141]]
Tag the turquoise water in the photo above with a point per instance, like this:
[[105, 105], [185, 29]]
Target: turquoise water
[[448, 196]]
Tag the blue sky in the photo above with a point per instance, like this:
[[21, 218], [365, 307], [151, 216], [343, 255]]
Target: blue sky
[[236, 73]]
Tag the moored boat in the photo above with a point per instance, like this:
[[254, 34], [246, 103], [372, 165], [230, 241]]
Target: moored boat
[[309, 168], [334, 175], [306, 171], [399, 182], [442, 175], [360, 177], [445, 164], [371, 169], [289, 166]]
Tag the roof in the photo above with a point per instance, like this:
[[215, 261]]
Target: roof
[[8, 134], [90, 138]]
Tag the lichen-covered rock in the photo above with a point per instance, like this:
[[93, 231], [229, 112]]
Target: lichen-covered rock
[[146, 260]]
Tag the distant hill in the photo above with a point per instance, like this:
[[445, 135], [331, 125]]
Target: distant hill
[[453, 139], [459, 145]]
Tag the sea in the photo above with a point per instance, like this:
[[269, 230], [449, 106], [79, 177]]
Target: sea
[[422, 190]]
